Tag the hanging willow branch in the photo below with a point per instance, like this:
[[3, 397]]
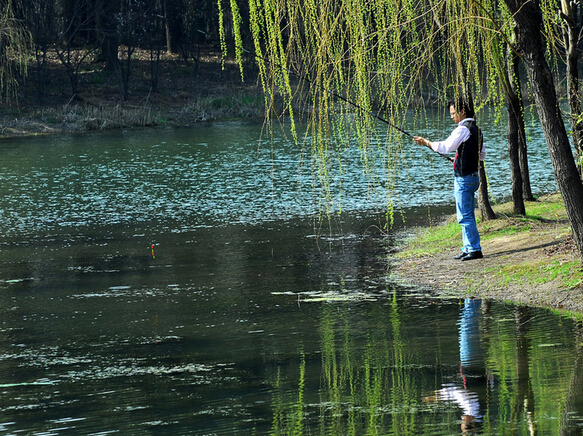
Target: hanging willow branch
[[15, 45], [378, 55]]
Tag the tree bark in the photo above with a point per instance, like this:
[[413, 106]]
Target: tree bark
[[172, 11], [571, 39], [107, 31], [518, 105], [483, 200], [527, 16], [514, 115]]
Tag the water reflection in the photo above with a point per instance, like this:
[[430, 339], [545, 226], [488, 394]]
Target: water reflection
[[185, 345], [251, 318], [572, 406], [474, 376], [524, 407]]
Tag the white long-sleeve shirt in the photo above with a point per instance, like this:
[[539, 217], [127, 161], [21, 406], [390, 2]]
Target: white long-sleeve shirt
[[459, 135]]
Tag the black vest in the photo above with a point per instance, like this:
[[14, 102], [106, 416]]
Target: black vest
[[467, 157]]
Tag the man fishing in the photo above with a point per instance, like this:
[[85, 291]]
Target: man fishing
[[465, 141]]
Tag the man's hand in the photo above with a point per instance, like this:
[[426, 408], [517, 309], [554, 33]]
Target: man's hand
[[422, 141]]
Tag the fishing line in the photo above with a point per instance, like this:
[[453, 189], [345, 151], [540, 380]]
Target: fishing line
[[338, 96]]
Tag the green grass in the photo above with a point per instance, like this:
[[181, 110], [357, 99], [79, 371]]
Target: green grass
[[433, 240], [568, 274], [531, 273]]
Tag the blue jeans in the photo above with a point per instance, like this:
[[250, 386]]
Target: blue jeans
[[464, 189]]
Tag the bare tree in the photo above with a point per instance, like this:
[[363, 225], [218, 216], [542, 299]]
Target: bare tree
[[41, 20], [72, 46], [135, 22]]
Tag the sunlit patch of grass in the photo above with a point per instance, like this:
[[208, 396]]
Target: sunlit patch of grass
[[568, 274], [492, 232], [525, 273], [550, 208], [433, 240]]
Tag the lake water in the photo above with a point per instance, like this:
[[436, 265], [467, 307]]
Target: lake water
[[183, 281]]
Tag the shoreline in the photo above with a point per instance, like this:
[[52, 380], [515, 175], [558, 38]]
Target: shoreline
[[84, 118], [185, 92], [528, 260]]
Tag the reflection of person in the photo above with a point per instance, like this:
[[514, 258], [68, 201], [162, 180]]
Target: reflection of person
[[465, 141], [472, 368], [471, 351], [467, 400]]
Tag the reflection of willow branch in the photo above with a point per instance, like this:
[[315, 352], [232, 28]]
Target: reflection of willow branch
[[299, 415], [347, 371], [277, 404], [402, 390], [331, 385], [375, 365], [524, 400], [573, 401], [292, 424]]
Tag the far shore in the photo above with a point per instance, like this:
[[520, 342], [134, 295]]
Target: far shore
[[185, 93]]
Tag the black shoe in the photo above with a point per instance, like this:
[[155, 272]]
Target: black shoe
[[461, 255], [473, 255]]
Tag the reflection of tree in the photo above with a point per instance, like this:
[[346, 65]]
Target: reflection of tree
[[524, 400], [371, 378], [402, 378], [366, 388], [574, 400]]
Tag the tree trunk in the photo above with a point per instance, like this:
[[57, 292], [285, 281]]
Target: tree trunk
[[515, 86], [483, 200], [571, 39], [514, 110], [514, 114], [172, 11], [107, 31], [527, 16]]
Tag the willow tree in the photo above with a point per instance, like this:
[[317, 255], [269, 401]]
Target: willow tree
[[380, 55], [358, 57], [15, 44], [567, 35]]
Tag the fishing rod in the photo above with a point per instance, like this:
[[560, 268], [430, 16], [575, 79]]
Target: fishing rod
[[338, 96]]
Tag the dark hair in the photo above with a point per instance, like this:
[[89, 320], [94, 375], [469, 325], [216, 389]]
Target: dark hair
[[459, 104]]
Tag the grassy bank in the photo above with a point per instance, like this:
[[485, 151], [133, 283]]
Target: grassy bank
[[104, 116], [530, 258]]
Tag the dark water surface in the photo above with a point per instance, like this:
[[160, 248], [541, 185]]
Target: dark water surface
[[179, 282]]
